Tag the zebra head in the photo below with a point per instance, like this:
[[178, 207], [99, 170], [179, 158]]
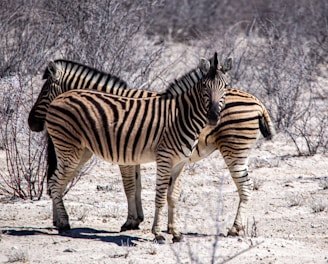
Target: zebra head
[[50, 90], [214, 85]]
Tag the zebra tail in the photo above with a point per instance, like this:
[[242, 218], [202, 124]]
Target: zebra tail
[[266, 125], [51, 159]]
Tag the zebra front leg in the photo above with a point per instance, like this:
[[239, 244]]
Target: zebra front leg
[[172, 199], [129, 182], [162, 183], [64, 172], [60, 216], [244, 186]]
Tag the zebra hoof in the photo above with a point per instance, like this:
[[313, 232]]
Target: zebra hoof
[[177, 239], [159, 239], [65, 229], [130, 225], [140, 219], [234, 231]]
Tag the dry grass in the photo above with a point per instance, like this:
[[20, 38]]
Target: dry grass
[[295, 199], [18, 256]]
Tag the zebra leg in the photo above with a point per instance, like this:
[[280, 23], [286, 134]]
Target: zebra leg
[[58, 206], [172, 199], [58, 181], [56, 188], [138, 194], [129, 177], [239, 173], [162, 183]]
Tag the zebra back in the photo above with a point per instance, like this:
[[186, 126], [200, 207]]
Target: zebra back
[[247, 113], [243, 118]]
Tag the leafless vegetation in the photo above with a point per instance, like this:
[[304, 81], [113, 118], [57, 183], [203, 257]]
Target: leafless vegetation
[[318, 206], [24, 174], [257, 183], [324, 183], [18, 255], [279, 49], [295, 199]]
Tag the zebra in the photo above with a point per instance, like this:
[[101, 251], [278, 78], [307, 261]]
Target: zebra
[[81, 123], [243, 119]]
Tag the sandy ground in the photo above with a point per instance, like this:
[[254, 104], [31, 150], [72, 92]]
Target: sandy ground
[[287, 218]]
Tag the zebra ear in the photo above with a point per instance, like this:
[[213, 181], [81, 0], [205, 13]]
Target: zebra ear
[[215, 60], [204, 65], [227, 65], [51, 70]]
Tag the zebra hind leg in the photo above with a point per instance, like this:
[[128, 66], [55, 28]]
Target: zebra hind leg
[[244, 184], [130, 178]]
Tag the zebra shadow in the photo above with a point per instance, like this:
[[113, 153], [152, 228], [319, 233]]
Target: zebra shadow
[[197, 235], [79, 233]]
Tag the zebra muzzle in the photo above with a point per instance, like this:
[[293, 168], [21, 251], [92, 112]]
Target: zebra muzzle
[[213, 115]]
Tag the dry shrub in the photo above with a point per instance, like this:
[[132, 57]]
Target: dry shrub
[[25, 152]]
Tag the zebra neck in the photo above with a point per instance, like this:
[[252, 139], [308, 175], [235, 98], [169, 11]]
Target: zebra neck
[[194, 106], [187, 120]]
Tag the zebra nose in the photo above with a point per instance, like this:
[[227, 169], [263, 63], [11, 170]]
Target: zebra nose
[[35, 124], [213, 114]]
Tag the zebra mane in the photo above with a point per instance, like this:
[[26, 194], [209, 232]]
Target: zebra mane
[[58, 63], [184, 83], [63, 64]]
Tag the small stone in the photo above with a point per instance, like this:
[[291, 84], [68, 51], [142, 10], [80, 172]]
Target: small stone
[[70, 250]]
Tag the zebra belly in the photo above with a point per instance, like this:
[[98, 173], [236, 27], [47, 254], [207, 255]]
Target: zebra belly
[[128, 158], [122, 150]]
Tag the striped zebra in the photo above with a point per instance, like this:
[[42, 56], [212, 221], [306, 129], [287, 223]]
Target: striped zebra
[[130, 131], [243, 119]]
